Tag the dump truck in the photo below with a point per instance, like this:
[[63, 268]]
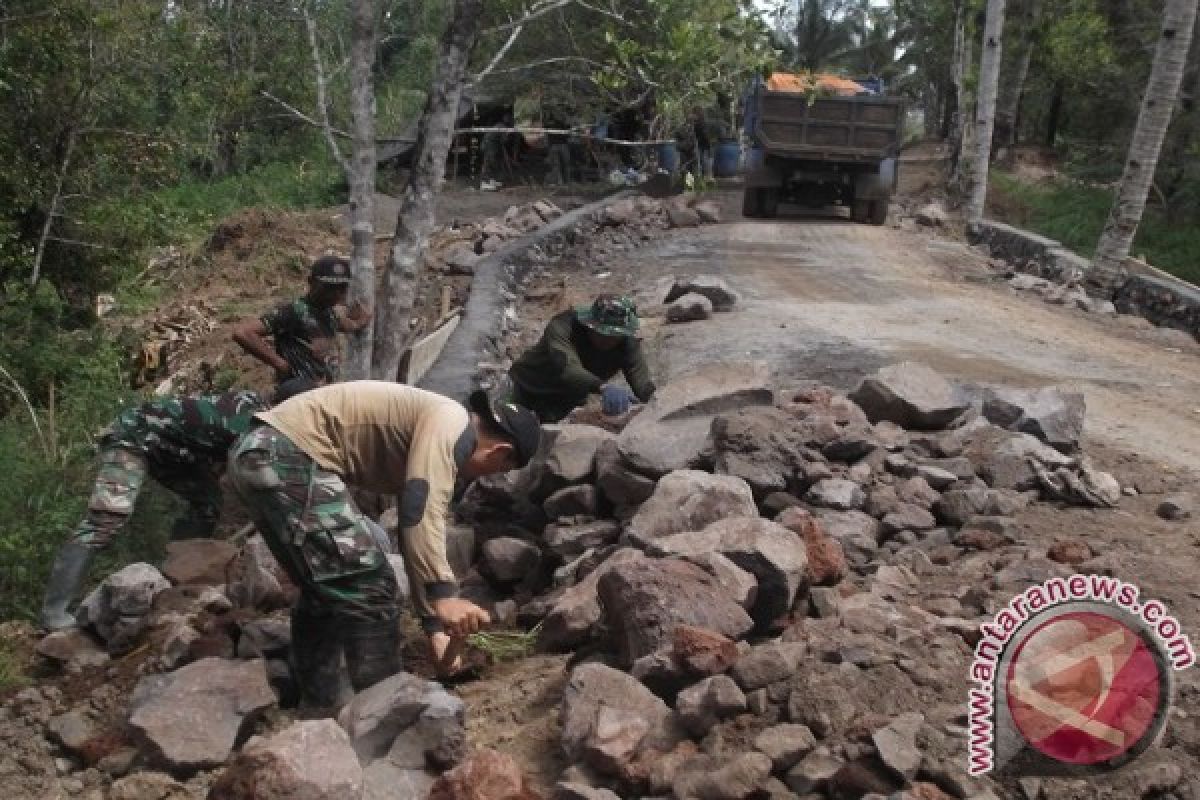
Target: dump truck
[[820, 146]]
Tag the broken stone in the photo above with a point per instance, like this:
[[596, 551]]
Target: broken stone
[[881, 500], [714, 288], [710, 212], [256, 580], [682, 216], [1080, 484], [413, 721], [576, 612], [198, 561], [856, 532], [189, 719], [624, 488], [813, 771], [826, 558], [608, 718], [74, 730], [510, 560], [579, 791], [932, 215], [840, 495], [716, 778], [764, 447], [118, 609], [911, 395], [1007, 460], [688, 308], [644, 602], [774, 555], [769, 663], [671, 432], [1051, 414], [383, 780], [785, 744], [572, 541], [708, 702], [572, 501], [485, 775], [896, 744], [149, 786], [918, 492], [310, 759], [908, 517], [688, 500], [935, 478], [1177, 507], [959, 506], [825, 601], [700, 651], [264, 637], [73, 648], [1070, 550], [733, 580], [572, 457]]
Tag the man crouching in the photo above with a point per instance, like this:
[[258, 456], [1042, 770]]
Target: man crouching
[[294, 474]]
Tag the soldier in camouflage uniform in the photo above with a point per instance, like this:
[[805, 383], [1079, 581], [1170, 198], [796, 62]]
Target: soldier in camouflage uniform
[[180, 442], [295, 472], [304, 332]]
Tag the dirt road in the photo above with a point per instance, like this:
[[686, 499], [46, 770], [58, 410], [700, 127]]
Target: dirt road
[[830, 300]]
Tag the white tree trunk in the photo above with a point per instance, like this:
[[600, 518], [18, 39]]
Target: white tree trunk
[[985, 108], [415, 220], [960, 61], [1010, 97], [1158, 103], [362, 181]]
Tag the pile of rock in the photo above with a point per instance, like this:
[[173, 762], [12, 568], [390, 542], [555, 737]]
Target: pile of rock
[[1068, 293], [728, 512]]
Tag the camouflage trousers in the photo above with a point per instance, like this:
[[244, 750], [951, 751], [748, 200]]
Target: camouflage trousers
[[306, 515], [120, 475]]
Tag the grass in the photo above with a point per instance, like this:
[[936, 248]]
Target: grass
[[506, 645], [12, 671], [1075, 215]]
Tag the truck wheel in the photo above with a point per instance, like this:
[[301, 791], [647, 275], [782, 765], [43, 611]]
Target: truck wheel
[[751, 205], [768, 203], [860, 211], [879, 212]]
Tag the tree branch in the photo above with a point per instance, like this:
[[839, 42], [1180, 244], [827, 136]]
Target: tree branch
[[322, 102], [295, 112], [538, 9], [500, 54], [53, 212], [544, 62]]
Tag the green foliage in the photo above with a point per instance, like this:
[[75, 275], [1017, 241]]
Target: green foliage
[[12, 676], [1075, 215]]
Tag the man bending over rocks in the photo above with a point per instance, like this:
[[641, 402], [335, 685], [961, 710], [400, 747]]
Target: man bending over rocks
[[294, 473], [180, 442], [579, 351]]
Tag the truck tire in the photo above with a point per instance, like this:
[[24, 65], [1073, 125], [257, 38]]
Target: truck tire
[[879, 212], [751, 205], [860, 210], [768, 202]]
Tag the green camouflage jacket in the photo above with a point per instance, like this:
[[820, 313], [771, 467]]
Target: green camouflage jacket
[[185, 431], [306, 337]]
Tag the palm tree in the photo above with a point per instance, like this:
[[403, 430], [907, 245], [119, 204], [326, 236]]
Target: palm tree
[[825, 32], [1158, 103]]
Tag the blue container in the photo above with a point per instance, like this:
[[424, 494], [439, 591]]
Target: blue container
[[726, 159], [754, 158], [668, 157]]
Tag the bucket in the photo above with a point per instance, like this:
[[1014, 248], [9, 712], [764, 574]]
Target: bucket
[[668, 157], [726, 158]]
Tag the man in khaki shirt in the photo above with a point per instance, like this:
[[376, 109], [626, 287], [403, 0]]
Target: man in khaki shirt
[[293, 473]]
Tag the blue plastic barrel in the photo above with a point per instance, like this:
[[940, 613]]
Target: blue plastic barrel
[[726, 158], [668, 157]]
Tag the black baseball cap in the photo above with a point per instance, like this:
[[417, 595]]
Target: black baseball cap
[[521, 424], [333, 270]]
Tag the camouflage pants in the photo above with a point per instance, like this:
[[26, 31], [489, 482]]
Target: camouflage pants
[[311, 525], [119, 478]]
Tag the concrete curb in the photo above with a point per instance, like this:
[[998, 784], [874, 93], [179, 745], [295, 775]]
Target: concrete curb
[[494, 289]]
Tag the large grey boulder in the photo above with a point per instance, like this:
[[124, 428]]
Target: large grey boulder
[[190, 719], [858, 533], [411, 720], [911, 395], [773, 554], [308, 760], [620, 484], [765, 447], [706, 703], [689, 307], [671, 432], [118, 609], [609, 718], [730, 777], [572, 457], [1053, 415], [644, 602], [571, 541], [1009, 460], [507, 559], [836, 493], [688, 500], [256, 580]]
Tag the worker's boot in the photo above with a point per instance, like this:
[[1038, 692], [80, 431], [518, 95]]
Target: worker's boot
[[316, 660], [372, 650], [67, 574]]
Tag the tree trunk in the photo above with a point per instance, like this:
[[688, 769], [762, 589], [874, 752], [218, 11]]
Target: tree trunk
[[1158, 102], [434, 138], [362, 181], [1010, 98], [1054, 114], [960, 62], [985, 108]]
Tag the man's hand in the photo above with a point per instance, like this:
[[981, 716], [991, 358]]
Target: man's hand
[[446, 661], [615, 400], [460, 617]]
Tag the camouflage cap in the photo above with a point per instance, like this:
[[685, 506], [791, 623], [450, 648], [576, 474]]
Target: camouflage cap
[[610, 315], [333, 270]]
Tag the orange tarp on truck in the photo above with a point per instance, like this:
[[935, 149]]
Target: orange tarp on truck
[[791, 82]]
